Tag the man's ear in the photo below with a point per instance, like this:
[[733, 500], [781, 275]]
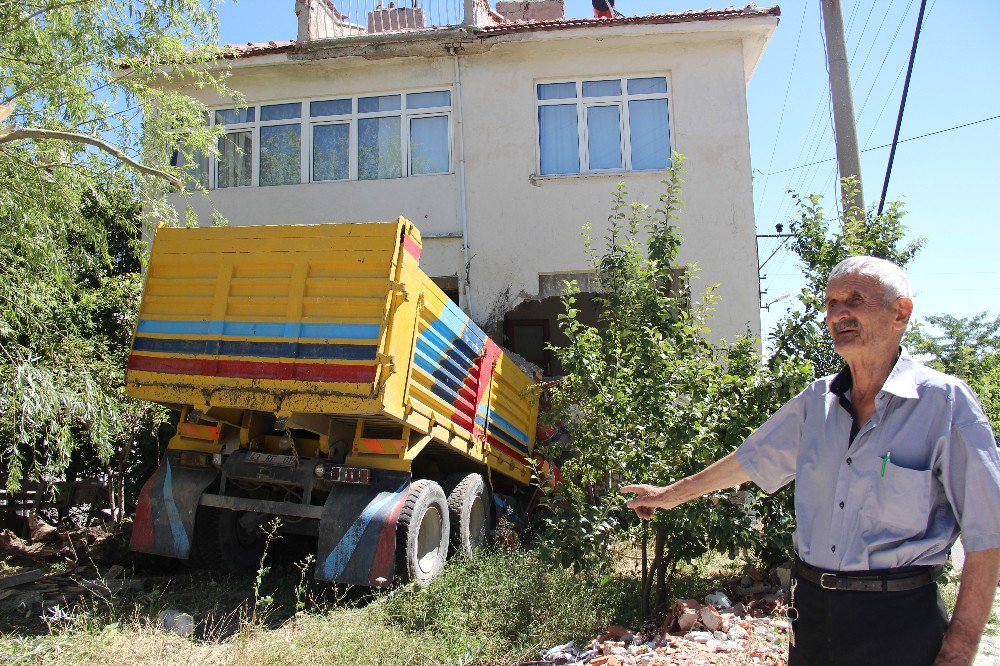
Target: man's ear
[[904, 309]]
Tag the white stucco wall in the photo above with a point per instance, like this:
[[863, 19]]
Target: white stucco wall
[[519, 226]]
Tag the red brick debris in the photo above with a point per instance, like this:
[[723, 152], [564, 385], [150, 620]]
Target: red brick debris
[[753, 631]]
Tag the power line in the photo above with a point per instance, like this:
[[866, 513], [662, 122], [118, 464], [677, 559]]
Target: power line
[[784, 104], [902, 105], [886, 145]]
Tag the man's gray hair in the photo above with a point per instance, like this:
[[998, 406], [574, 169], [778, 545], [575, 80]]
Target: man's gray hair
[[891, 277]]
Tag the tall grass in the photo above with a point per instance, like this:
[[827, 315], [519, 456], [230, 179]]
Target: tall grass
[[492, 609]]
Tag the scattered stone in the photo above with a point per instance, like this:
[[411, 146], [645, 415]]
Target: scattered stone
[[176, 622], [687, 619], [737, 632], [784, 574], [781, 623], [719, 600], [698, 636], [711, 618]]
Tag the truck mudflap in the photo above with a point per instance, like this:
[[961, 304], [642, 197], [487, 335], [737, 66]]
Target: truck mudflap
[[164, 517], [357, 531]]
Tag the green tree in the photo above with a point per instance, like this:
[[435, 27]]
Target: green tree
[[820, 243], [648, 398], [76, 78], [968, 348]]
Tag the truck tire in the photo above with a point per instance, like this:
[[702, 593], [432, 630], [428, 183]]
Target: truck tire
[[422, 533], [469, 509], [222, 544]]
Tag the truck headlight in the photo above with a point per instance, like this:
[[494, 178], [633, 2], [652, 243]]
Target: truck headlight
[[320, 470]]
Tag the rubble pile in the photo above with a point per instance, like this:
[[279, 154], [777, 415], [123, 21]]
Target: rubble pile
[[50, 544], [718, 631], [35, 592]]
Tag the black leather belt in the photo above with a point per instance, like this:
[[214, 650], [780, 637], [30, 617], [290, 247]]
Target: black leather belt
[[861, 581]]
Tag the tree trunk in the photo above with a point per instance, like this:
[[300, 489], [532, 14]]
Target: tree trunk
[[644, 598], [659, 600]]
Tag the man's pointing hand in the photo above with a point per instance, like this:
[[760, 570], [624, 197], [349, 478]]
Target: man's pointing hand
[[649, 498]]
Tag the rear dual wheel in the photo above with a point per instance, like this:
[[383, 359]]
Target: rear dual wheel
[[422, 533], [469, 509], [432, 517]]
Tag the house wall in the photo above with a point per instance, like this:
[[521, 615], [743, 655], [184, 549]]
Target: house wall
[[520, 226]]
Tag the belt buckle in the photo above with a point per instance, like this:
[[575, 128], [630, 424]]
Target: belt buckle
[[823, 584]]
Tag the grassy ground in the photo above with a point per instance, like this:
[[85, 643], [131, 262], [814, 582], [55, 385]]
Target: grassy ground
[[496, 609], [492, 610]]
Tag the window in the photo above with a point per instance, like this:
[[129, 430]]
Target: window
[[193, 166], [348, 138], [280, 144], [603, 125]]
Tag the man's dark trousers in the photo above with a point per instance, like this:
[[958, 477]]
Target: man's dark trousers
[[838, 628]]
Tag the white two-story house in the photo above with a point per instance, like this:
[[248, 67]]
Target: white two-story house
[[500, 131]]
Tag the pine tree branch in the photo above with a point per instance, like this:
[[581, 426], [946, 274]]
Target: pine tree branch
[[9, 135]]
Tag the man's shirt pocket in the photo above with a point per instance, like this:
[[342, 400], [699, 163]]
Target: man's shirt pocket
[[900, 504]]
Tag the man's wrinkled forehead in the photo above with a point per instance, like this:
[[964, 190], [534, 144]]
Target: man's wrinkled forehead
[[855, 283]]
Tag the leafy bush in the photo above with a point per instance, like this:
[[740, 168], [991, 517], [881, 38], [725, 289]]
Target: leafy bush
[[647, 398], [508, 602]]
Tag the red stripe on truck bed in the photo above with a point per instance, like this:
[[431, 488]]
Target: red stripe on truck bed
[[322, 372]]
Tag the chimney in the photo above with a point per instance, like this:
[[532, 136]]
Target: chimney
[[395, 19], [531, 10], [320, 19]]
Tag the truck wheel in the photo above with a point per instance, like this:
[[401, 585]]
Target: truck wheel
[[224, 544], [422, 533], [469, 509]]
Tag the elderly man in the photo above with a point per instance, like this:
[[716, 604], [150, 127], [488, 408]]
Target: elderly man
[[891, 459]]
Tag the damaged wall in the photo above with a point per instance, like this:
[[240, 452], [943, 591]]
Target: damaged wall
[[520, 225]]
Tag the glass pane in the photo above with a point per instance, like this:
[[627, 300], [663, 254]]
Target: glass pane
[[330, 107], [428, 100], [280, 155], [429, 145], [235, 160], [379, 148], [193, 167], [281, 111], [656, 84], [373, 104], [234, 116], [650, 133], [602, 88], [604, 137], [331, 152], [557, 90], [557, 139]]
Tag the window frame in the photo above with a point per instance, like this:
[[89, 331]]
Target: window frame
[[308, 123], [582, 126]]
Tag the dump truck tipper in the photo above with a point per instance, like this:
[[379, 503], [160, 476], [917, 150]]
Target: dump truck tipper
[[322, 378]]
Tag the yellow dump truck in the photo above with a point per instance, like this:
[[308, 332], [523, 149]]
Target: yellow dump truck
[[322, 378]]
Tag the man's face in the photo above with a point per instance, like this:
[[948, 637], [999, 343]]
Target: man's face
[[859, 320]]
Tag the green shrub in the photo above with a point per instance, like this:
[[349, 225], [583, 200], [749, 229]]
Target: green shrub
[[509, 603]]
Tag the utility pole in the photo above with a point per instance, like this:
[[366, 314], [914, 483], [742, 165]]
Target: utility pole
[[848, 161]]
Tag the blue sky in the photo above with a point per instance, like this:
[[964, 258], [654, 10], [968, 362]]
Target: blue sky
[[947, 181]]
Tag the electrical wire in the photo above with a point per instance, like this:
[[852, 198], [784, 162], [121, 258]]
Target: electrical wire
[[784, 104], [886, 145]]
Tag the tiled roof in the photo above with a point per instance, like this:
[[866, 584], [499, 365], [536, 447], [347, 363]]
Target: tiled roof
[[689, 16], [259, 48]]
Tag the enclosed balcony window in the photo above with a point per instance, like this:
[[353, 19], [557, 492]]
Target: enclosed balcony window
[[613, 125], [341, 138]]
